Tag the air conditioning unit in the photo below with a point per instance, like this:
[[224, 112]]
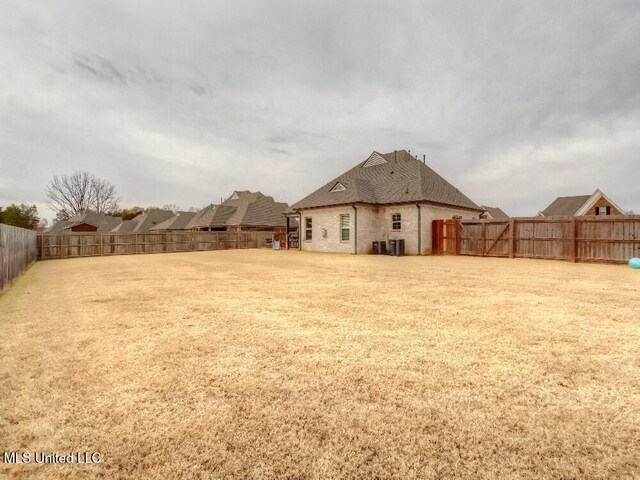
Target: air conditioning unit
[[392, 247]]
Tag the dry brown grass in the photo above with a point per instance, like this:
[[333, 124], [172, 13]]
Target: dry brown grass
[[262, 364]]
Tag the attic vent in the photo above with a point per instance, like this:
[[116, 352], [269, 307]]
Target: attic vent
[[338, 187], [234, 196], [374, 159]]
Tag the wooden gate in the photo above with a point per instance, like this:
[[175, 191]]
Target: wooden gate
[[445, 237], [486, 239]]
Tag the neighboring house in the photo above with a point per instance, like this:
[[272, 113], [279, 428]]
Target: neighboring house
[[595, 204], [86, 222], [493, 213], [178, 222], [144, 222], [242, 211], [387, 196]]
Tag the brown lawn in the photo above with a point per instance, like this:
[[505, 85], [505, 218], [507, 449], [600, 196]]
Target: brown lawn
[[263, 364]]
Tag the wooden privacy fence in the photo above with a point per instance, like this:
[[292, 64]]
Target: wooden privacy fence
[[613, 239], [18, 250], [68, 245]]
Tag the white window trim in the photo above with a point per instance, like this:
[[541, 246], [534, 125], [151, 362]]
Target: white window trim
[[348, 229], [308, 229], [395, 221]]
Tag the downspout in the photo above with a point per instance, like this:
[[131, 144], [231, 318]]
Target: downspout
[[355, 230], [419, 230], [300, 231]]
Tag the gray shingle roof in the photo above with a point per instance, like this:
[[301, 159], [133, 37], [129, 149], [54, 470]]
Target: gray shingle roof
[[127, 226], [400, 179], [177, 222], [565, 206], [495, 212], [103, 222], [143, 222], [241, 208]]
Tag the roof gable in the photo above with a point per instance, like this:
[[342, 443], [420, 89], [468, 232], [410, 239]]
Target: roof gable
[[399, 178], [241, 208], [593, 199], [374, 159], [576, 205]]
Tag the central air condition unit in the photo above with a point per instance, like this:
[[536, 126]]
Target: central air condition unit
[[392, 247]]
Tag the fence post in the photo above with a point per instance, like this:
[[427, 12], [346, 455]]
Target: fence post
[[166, 242], [101, 243], [573, 247], [61, 245], [458, 235], [136, 243], [512, 236], [237, 239]]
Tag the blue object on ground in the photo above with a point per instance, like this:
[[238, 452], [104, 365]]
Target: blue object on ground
[[634, 263], [276, 244]]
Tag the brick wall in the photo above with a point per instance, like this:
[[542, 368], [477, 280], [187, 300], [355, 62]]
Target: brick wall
[[374, 224]]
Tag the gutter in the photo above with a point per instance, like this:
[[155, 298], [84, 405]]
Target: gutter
[[419, 229], [300, 231], [355, 229]]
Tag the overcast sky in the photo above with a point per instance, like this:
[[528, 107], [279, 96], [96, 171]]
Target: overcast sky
[[515, 103]]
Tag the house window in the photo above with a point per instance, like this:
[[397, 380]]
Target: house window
[[344, 228], [396, 221], [603, 211], [308, 231]]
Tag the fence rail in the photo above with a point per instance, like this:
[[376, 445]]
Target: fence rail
[[613, 239], [18, 250], [69, 245]]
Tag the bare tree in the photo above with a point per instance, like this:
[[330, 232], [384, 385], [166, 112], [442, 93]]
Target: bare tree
[[172, 207], [80, 192], [104, 196]]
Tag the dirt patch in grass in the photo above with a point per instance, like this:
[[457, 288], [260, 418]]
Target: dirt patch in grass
[[264, 364]]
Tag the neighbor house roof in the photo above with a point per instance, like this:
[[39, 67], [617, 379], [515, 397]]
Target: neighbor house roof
[[241, 208], [127, 226], [495, 212], [178, 222], [576, 205], [143, 222], [565, 206], [101, 221], [394, 177]]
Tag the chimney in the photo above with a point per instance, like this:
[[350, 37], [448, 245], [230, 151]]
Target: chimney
[[424, 159]]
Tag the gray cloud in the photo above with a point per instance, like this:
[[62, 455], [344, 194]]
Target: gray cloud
[[514, 103]]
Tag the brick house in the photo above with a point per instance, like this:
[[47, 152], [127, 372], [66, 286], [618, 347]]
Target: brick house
[[86, 222], [242, 211], [388, 196], [595, 204]]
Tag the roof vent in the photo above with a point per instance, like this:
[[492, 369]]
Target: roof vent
[[338, 187], [374, 159]]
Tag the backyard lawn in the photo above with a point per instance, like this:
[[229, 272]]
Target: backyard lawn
[[274, 364]]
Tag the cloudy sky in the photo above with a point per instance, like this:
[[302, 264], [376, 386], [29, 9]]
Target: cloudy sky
[[514, 103]]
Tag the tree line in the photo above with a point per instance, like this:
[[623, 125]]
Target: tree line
[[75, 194]]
